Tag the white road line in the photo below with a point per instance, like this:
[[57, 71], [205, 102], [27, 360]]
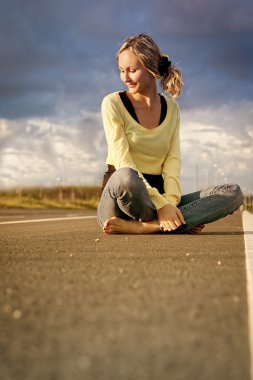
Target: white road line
[[48, 220], [248, 239]]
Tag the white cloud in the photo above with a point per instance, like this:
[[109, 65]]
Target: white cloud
[[46, 152], [218, 144], [215, 141]]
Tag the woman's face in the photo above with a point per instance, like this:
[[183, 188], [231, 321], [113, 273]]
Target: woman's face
[[133, 73]]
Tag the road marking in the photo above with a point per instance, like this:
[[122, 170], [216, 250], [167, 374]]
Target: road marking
[[248, 240], [48, 220]]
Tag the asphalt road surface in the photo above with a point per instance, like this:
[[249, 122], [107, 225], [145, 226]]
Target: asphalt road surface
[[78, 304]]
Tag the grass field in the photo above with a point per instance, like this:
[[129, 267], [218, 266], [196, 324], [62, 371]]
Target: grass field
[[64, 197], [53, 197]]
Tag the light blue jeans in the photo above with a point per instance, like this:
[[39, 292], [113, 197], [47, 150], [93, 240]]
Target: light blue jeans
[[125, 196]]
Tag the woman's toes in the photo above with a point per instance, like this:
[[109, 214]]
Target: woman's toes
[[196, 230], [106, 223], [111, 225]]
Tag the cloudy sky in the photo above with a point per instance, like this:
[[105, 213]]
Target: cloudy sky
[[57, 62]]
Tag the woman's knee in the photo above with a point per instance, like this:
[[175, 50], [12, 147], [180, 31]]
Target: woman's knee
[[234, 192], [237, 193], [230, 189], [127, 177]]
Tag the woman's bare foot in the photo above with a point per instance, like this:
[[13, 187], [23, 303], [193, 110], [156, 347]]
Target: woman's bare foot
[[117, 225], [196, 230]]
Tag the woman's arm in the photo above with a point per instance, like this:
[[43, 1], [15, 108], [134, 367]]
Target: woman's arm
[[115, 136], [169, 216], [172, 168]]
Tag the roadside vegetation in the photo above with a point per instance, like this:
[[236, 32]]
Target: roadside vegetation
[[248, 203], [52, 197], [68, 197]]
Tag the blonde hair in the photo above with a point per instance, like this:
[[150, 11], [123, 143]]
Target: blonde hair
[[149, 54]]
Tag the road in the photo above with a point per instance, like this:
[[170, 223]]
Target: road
[[78, 304]]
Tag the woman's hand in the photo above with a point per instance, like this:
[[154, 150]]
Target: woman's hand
[[170, 218]]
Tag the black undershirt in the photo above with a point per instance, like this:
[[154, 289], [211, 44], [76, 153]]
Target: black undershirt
[[153, 180], [130, 108]]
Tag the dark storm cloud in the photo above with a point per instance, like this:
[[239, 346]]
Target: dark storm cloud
[[48, 50], [202, 17], [57, 54], [212, 42]]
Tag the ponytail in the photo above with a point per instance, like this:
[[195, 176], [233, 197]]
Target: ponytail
[[172, 82]]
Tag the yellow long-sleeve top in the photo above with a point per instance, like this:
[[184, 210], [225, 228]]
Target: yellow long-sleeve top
[[149, 151]]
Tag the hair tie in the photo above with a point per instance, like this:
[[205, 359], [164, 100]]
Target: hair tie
[[164, 65]]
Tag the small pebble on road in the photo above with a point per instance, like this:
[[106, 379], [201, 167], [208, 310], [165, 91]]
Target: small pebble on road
[[17, 314], [236, 299], [8, 291]]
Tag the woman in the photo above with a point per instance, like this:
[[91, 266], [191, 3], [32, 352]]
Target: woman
[[141, 126]]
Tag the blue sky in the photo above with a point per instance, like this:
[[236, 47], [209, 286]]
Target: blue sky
[[58, 61]]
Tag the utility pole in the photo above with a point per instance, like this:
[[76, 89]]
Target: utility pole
[[196, 176]]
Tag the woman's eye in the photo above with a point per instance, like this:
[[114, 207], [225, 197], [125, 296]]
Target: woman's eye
[[130, 71]]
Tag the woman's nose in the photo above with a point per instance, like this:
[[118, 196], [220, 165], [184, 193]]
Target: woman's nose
[[126, 77]]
